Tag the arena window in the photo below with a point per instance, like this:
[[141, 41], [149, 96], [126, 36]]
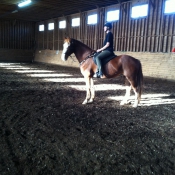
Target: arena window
[[92, 19], [169, 6], [62, 24], [75, 22], [51, 26], [113, 15], [41, 27], [139, 11]]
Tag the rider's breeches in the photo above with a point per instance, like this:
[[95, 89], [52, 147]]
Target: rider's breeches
[[102, 55]]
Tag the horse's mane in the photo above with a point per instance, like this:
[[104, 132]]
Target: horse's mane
[[79, 42]]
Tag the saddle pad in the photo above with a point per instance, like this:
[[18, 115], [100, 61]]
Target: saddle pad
[[106, 60]]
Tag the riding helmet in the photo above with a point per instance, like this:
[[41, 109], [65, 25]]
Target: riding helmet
[[108, 24]]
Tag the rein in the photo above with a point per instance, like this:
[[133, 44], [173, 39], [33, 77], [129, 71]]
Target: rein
[[89, 56], [72, 58]]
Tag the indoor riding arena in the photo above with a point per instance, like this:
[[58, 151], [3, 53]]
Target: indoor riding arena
[[45, 126]]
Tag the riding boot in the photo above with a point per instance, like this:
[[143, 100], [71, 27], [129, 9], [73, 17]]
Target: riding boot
[[96, 75], [102, 76]]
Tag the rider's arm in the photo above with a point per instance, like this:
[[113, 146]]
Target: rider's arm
[[104, 47]]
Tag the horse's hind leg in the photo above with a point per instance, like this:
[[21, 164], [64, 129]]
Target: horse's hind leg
[[137, 98], [127, 95], [137, 95], [133, 83]]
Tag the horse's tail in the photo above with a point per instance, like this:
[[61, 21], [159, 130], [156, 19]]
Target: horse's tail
[[139, 80]]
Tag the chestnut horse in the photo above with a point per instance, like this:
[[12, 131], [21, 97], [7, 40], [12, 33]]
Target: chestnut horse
[[124, 64]]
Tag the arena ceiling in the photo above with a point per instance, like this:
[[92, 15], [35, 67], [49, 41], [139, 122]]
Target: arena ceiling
[[40, 10]]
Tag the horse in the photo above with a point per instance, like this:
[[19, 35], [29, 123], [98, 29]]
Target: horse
[[129, 66]]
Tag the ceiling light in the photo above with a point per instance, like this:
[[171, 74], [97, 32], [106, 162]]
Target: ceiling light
[[24, 3]]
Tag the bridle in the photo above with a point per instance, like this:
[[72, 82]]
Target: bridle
[[92, 54]]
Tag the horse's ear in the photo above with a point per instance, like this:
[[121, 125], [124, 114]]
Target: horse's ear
[[68, 39]]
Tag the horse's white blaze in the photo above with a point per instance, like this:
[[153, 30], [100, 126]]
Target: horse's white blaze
[[65, 46]]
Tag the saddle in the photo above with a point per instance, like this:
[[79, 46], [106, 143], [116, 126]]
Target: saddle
[[106, 60]]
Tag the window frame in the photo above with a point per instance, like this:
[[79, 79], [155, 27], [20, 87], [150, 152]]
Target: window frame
[[113, 20], [72, 21], [138, 5], [90, 13], [168, 13], [43, 27], [50, 24], [63, 20]]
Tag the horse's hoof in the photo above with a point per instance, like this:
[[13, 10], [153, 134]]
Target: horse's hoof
[[123, 103], [85, 102], [90, 101], [135, 105]]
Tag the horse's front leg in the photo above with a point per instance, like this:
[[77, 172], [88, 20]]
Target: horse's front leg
[[90, 93]]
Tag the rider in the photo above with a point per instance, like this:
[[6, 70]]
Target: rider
[[105, 51]]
